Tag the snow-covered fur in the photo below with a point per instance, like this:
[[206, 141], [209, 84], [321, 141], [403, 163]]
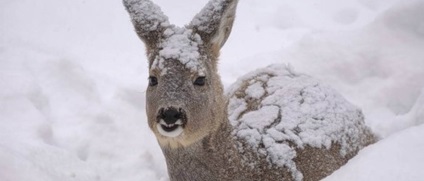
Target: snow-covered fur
[[273, 124], [295, 122]]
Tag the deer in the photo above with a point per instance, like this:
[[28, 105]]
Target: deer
[[272, 124]]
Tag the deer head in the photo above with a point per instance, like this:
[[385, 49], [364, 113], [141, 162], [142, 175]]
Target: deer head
[[184, 99]]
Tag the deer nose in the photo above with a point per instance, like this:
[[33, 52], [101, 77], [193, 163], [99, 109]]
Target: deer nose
[[170, 115]]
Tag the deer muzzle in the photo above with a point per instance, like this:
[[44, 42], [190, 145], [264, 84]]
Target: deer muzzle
[[171, 121]]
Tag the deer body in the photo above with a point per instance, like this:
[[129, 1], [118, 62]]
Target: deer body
[[273, 124]]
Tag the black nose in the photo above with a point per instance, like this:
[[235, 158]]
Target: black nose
[[170, 115]]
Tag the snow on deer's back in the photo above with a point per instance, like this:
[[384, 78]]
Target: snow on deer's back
[[277, 113]]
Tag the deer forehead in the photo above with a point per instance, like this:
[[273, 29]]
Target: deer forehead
[[179, 44]]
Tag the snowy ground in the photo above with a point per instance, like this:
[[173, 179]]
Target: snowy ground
[[73, 74]]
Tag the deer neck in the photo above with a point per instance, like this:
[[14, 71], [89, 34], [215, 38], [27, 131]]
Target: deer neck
[[204, 160]]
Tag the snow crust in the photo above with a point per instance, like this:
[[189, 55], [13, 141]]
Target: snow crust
[[180, 44], [273, 107]]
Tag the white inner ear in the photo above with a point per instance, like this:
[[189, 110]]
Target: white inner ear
[[224, 30], [225, 26], [220, 36]]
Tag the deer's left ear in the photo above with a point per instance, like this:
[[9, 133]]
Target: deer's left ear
[[214, 22]]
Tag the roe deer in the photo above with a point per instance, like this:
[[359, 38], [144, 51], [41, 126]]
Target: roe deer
[[273, 124]]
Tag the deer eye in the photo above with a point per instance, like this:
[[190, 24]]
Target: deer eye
[[200, 81], [153, 81]]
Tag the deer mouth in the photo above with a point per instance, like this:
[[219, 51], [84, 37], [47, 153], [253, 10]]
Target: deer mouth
[[171, 122], [170, 130]]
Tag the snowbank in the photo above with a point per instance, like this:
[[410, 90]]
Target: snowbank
[[398, 157]]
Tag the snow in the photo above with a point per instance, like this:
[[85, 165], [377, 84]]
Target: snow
[[73, 75], [146, 15], [182, 45], [284, 107], [209, 15], [402, 151], [177, 44]]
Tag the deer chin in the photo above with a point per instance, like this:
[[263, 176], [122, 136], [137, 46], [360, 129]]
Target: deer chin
[[177, 135], [170, 130]]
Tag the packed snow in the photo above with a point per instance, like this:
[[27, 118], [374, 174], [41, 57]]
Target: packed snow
[[274, 108], [73, 75], [182, 45]]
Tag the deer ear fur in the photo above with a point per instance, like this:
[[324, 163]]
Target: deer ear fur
[[214, 22], [148, 20]]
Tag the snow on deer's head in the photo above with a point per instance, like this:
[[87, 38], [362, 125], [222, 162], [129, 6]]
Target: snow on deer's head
[[185, 99]]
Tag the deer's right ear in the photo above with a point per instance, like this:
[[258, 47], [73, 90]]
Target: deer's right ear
[[148, 20], [215, 21]]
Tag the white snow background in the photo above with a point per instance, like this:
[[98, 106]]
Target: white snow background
[[73, 75]]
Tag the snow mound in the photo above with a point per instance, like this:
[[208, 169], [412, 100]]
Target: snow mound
[[417, 112], [45, 163], [276, 111], [397, 157]]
